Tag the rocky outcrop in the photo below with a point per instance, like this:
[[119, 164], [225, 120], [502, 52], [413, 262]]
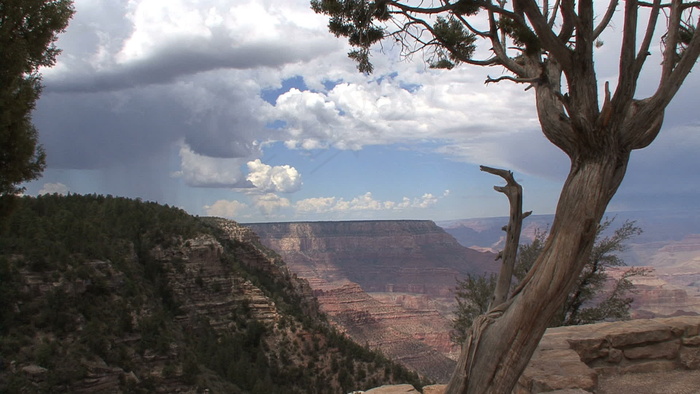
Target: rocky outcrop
[[394, 389], [207, 288], [588, 358], [578, 357]]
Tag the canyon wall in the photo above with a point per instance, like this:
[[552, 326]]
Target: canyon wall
[[412, 256], [388, 284]]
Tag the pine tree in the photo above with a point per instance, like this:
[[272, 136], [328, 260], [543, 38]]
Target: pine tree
[[28, 30]]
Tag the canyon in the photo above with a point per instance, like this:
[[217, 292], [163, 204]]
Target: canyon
[[385, 283], [389, 284]]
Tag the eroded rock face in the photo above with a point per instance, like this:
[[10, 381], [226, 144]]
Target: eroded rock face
[[385, 283], [672, 287], [417, 338], [382, 256]]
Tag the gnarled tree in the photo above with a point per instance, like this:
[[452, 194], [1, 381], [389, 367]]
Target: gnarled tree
[[548, 45]]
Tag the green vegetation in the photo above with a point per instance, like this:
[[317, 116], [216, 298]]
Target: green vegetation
[[588, 302], [93, 284], [28, 29]]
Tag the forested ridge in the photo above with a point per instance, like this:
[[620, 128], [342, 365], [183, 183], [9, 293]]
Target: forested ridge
[[102, 292]]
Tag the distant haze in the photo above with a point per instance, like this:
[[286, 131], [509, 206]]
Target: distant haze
[[656, 227]]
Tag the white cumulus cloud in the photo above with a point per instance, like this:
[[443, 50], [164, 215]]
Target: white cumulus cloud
[[449, 109], [316, 205], [364, 202], [205, 171], [266, 178], [270, 204]]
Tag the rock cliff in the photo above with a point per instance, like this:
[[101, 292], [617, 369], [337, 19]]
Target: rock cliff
[[386, 283], [382, 256]]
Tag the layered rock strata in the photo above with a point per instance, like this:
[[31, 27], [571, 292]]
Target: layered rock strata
[[385, 283], [409, 256], [416, 338]]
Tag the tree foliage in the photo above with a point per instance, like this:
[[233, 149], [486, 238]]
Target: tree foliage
[[473, 296], [593, 299], [28, 30]]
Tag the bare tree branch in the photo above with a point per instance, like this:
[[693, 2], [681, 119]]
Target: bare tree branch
[[510, 78], [646, 42], [606, 18], [514, 192], [627, 82], [669, 5], [671, 41], [437, 42], [570, 20], [553, 17], [549, 40]]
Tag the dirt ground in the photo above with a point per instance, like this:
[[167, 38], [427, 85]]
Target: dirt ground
[[673, 382]]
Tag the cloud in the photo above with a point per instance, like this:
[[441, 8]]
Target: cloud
[[364, 202], [136, 43], [148, 89], [139, 77], [265, 178], [316, 205], [426, 201], [225, 209], [270, 204], [204, 171], [450, 109], [51, 188]]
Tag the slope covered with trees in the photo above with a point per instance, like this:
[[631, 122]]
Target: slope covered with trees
[[106, 293]]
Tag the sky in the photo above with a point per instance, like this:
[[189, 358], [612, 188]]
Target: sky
[[251, 110]]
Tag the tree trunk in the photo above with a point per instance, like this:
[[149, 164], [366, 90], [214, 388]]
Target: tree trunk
[[501, 343]]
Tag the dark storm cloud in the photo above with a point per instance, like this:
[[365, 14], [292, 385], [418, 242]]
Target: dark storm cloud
[[87, 131], [169, 63], [215, 116], [116, 44]]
